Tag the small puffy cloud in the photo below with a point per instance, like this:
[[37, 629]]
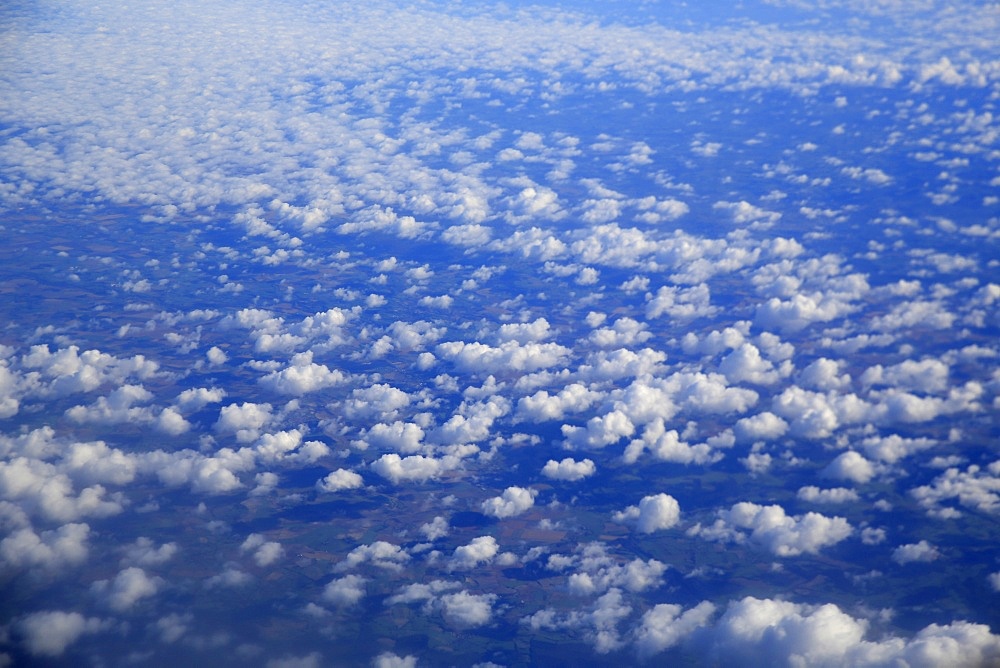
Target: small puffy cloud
[[244, 420], [852, 466], [975, 488], [340, 479], [405, 437], [216, 356], [781, 534], [265, 552], [197, 398], [346, 591], [143, 552], [654, 513], [53, 549], [666, 445], [922, 551], [390, 660], [508, 356], [380, 553], [667, 625], [573, 398], [302, 376], [417, 468], [436, 528], [745, 364], [681, 303], [600, 431], [568, 469], [764, 426], [463, 610], [514, 501], [481, 550], [50, 632], [130, 586], [380, 400], [814, 494]]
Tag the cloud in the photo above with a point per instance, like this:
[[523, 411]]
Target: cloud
[[508, 356], [345, 591], [573, 398], [48, 633], [850, 466], [814, 494], [380, 553], [481, 550], [569, 469], [514, 501], [130, 586], [922, 551], [975, 488], [302, 376], [265, 552], [654, 513], [244, 420], [463, 610], [339, 480], [54, 549], [416, 468], [665, 625], [768, 526], [390, 660]]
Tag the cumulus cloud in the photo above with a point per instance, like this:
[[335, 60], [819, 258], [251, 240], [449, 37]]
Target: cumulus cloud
[[302, 376], [975, 487], [48, 633], [463, 610], [265, 552], [768, 526], [921, 551], [514, 501], [130, 586], [481, 550], [380, 553], [569, 469], [417, 468], [852, 466], [345, 591], [666, 625], [339, 480], [654, 513]]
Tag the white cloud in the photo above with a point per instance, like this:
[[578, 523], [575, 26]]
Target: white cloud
[[244, 420], [782, 535], [975, 488], [573, 398], [345, 591], [569, 469], [665, 625], [380, 553], [49, 633], [391, 660], [481, 550], [265, 552], [850, 466], [54, 549], [130, 586], [464, 610], [514, 501], [508, 356], [417, 468], [921, 551], [654, 513], [339, 480], [302, 376], [814, 494]]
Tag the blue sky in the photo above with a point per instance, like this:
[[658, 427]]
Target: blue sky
[[517, 334]]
